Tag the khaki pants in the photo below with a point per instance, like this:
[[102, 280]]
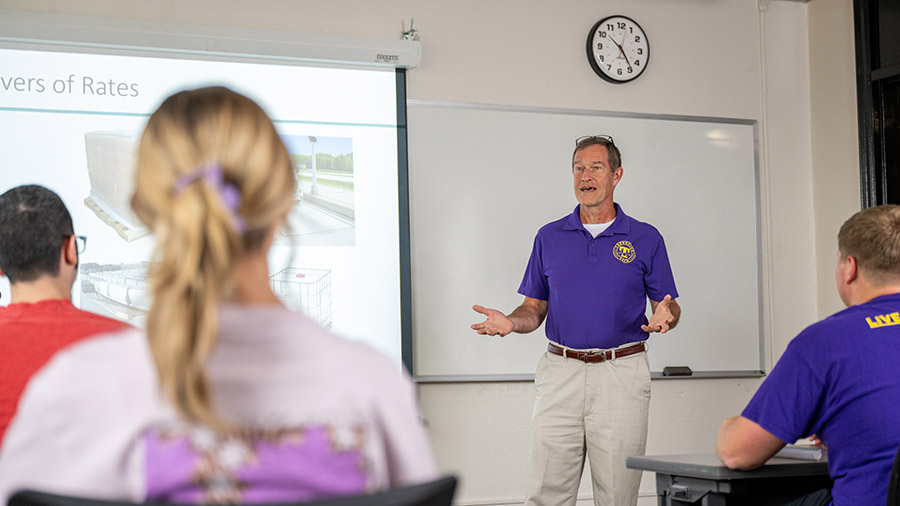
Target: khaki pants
[[599, 408]]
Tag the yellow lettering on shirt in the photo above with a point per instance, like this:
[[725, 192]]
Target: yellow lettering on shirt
[[884, 320]]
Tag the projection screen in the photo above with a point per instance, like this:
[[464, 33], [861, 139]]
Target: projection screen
[[71, 118]]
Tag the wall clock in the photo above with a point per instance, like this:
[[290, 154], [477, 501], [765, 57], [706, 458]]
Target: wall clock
[[617, 49]]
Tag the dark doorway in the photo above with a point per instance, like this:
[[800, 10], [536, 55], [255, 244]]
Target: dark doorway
[[877, 25]]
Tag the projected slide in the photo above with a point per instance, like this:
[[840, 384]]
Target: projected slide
[[72, 122]]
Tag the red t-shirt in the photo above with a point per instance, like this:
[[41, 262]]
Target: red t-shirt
[[30, 334]]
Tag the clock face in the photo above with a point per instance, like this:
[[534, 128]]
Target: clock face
[[617, 49]]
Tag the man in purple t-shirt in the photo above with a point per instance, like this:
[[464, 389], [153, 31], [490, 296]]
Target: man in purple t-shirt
[[838, 381], [590, 274]]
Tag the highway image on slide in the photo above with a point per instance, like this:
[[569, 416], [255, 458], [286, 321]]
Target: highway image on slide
[[325, 210]]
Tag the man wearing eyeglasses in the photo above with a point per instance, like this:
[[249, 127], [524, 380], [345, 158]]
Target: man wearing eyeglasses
[[39, 254], [590, 274]]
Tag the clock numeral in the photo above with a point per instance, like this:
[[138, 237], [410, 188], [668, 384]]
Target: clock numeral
[[608, 66], [599, 46], [630, 29], [630, 70], [621, 25], [610, 27], [637, 63], [601, 57], [637, 38], [619, 71], [640, 50], [602, 34]]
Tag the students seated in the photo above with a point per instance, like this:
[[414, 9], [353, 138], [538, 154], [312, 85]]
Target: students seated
[[228, 397], [839, 379], [39, 255]]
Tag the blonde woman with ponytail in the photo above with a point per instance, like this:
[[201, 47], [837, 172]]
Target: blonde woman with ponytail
[[227, 397]]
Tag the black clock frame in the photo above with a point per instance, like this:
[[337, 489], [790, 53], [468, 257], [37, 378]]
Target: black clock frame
[[593, 61]]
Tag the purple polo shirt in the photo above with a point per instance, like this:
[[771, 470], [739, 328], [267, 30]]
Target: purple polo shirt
[[597, 287], [838, 380]]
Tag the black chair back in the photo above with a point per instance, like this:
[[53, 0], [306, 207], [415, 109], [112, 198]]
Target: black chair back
[[434, 493]]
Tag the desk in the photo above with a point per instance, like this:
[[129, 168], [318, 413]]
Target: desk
[[700, 479]]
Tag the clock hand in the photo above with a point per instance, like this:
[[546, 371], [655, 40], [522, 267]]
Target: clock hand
[[622, 50], [622, 53]]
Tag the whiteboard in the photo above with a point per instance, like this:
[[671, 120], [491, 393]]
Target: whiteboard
[[483, 179]]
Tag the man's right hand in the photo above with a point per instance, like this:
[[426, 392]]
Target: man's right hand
[[497, 323]]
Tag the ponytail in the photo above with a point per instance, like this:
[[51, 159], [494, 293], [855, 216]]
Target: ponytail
[[213, 178]]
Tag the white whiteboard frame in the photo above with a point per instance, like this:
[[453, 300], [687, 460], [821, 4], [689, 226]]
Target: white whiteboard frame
[[761, 316]]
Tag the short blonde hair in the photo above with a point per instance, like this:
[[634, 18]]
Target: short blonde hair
[[198, 238], [872, 237]]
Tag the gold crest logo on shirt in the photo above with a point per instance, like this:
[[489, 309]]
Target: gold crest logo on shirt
[[624, 252]]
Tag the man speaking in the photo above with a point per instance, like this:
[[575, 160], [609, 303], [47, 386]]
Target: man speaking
[[590, 274]]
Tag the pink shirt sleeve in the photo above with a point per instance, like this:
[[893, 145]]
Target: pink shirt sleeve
[[409, 455], [75, 410]]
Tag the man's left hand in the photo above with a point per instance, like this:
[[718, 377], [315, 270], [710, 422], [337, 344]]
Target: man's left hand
[[664, 316]]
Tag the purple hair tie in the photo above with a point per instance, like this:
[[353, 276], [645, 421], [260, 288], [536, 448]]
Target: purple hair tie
[[229, 193]]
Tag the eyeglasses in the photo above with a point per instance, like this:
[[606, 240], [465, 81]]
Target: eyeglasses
[[80, 243], [603, 138]]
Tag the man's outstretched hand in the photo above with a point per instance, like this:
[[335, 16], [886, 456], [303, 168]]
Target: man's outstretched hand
[[497, 323], [664, 316]]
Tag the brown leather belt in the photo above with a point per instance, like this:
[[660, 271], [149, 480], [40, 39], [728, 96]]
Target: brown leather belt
[[592, 357]]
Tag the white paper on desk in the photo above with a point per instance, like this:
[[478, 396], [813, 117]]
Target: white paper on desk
[[803, 452]]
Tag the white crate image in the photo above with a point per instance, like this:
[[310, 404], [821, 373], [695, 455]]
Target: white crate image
[[111, 164], [308, 290]]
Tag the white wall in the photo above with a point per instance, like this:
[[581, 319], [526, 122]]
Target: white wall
[[785, 135], [835, 137], [706, 60]]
